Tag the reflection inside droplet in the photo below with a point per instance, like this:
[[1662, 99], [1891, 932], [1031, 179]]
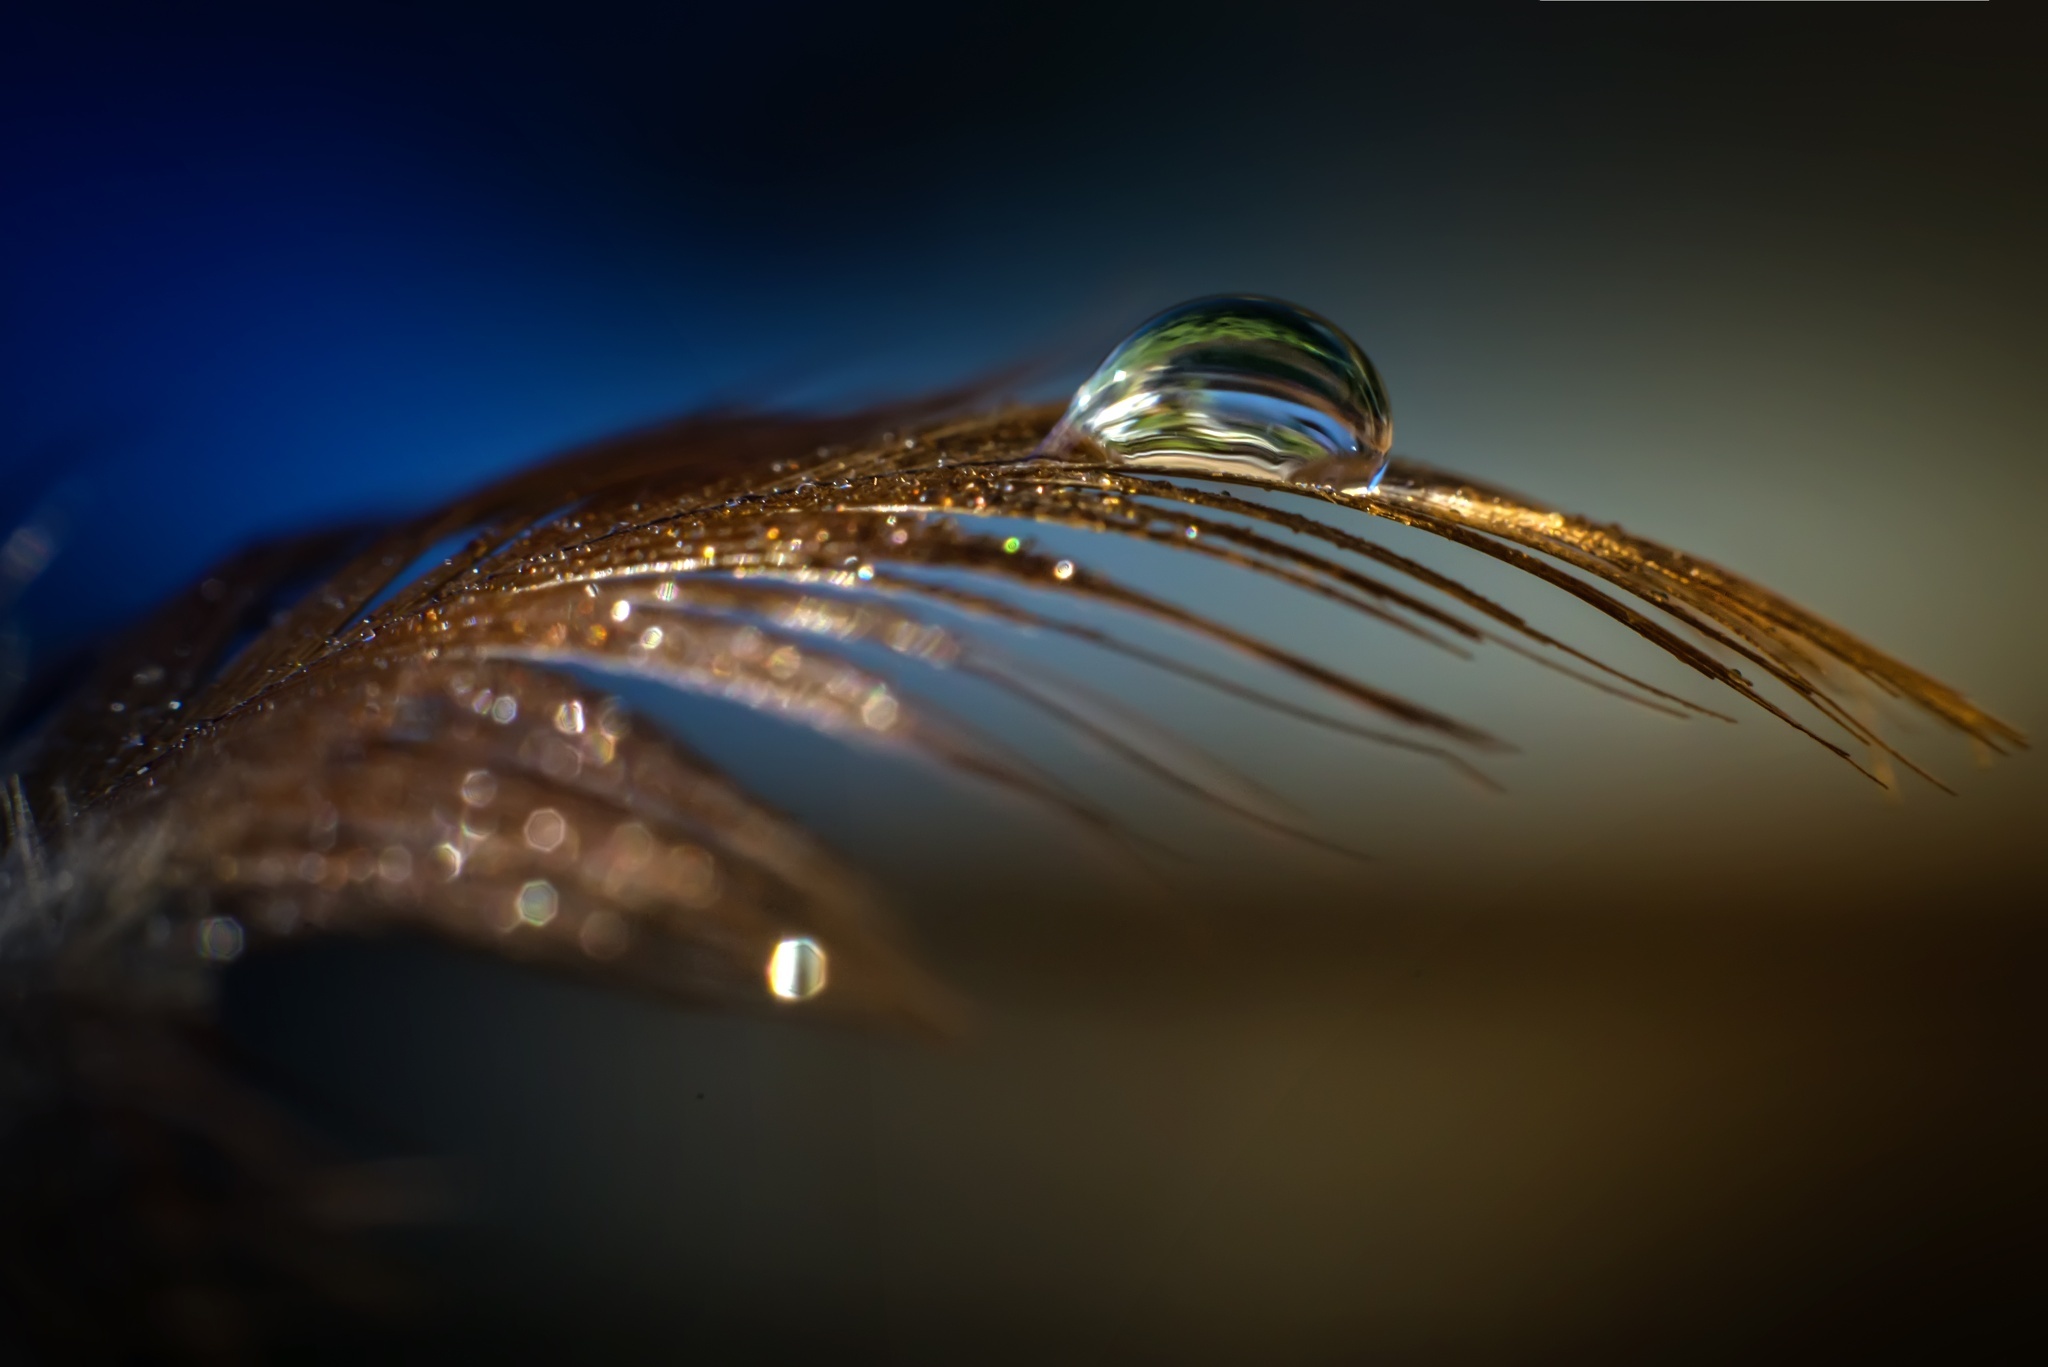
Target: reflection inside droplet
[[796, 970], [1235, 384]]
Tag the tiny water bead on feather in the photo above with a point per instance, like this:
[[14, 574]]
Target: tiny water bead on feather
[[796, 969], [1239, 385]]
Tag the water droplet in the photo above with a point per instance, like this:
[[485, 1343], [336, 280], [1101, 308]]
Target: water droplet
[[545, 829], [220, 939], [632, 847], [536, 902], [603, 936], [394, 864], [1235, 384], [796, 970], [880, 710]]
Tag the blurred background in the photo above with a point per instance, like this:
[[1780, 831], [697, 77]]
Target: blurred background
[[1693, 1042]]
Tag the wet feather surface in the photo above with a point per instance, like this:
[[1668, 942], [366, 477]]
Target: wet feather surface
[[414, 745]]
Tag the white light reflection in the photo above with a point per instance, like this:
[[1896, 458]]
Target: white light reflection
[[796, 970]]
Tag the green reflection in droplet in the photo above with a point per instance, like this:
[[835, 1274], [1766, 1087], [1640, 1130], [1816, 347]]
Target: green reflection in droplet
[[1235, 384]]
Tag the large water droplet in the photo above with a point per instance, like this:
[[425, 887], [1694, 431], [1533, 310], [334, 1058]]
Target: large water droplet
[[1235, 384]]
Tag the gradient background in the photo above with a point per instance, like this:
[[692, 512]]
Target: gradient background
[[1693, 1044]]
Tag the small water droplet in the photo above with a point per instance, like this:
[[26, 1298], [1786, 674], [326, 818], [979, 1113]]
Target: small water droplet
[[603, 936], [880, 710], [796, 969], [536, 902], [220, 939], [1235, 384], [545, 829], [394, 864]]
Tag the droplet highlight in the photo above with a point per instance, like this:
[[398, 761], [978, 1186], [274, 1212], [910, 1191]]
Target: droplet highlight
[[796, 969], [1235, 385], [536, 902]]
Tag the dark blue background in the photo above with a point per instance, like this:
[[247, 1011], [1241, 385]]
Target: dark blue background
[[264, 266]]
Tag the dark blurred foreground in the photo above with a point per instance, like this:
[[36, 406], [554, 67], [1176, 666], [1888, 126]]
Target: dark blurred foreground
[[1708, 1118]]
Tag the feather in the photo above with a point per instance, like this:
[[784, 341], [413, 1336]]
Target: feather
[[326, 775]]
